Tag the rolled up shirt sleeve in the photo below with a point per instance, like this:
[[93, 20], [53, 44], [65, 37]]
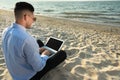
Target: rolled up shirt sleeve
[[31, 53]]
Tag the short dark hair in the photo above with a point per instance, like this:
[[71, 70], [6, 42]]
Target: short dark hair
[[21, 6]]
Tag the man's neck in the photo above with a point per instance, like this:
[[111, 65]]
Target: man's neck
[[20, 23]]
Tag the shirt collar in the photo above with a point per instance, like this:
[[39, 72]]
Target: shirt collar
[[19, 26]]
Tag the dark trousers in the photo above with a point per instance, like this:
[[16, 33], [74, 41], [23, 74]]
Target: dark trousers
[[51, 63]]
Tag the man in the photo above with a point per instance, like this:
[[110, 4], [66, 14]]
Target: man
[[21, 50]]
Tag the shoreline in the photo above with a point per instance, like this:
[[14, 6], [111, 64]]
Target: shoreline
[[85, 25], [79, 21], [91, 48], [82, 21]]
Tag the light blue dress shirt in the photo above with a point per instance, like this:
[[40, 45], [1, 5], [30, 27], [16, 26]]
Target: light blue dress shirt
[[21, 53]]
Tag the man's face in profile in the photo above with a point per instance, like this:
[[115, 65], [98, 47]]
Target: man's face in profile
[[29, 19]]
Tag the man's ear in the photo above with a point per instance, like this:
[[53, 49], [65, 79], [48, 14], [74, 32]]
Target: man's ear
[[25, 17]]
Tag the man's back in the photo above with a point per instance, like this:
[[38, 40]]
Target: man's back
[[14, 47]]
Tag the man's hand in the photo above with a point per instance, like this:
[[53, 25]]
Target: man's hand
[[46, 52], [42, 50]]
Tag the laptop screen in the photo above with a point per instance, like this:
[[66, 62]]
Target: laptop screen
[[54, 44]]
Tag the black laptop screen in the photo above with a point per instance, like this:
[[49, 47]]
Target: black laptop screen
[[54, 44]]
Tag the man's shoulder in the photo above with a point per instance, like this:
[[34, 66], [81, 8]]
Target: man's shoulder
[[22, 35], [5, 30]]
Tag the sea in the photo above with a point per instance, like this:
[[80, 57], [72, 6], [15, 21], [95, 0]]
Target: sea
[[98, 12]]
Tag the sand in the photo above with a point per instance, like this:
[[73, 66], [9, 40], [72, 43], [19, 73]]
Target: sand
[[93, 50]]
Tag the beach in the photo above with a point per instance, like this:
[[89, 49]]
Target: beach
[[93, 50]]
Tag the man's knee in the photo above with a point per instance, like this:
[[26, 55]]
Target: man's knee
[[62, 54]]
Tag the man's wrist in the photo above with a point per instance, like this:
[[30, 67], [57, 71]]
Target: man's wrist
[[45, 56]]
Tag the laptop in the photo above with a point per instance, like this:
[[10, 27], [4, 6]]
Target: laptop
[[53, 45]]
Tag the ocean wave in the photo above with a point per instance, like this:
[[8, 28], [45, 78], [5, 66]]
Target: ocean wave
[[84, 13], [75, 16], [109, 18], [49, 10]]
